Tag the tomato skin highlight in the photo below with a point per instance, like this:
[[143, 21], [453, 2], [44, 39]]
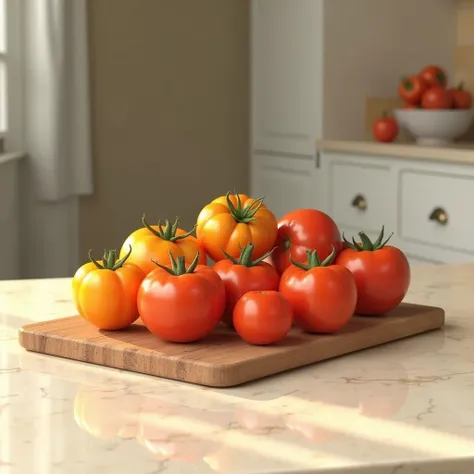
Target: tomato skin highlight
[[323, 296], [433, 75], [107, 298], [382, 278], [437, 98], [262, 317], [184, 308], [233, 221], [239, 280], [302, 230]]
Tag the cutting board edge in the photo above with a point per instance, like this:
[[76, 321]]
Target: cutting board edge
[[435, 324], [220, 377]]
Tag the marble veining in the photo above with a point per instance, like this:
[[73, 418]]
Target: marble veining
[[402, 408]]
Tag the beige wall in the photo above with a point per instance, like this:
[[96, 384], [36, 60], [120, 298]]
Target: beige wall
[[370, 45], [170, 111]]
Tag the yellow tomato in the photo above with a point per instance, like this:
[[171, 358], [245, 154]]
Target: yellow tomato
[[155, 242], [105, 292]]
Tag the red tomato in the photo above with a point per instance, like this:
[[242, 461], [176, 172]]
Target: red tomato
[[411, 89], [243, 275], [385, 129], [437, 97], [433, 76], [262, 317], [322, 296], [180, 304], [302, 230], [381, 272], [462, 99]]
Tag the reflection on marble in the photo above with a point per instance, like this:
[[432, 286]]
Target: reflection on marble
[[402, 408]]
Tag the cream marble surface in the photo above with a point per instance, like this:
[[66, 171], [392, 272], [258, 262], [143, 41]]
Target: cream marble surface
[[402, 408], [459, 153]]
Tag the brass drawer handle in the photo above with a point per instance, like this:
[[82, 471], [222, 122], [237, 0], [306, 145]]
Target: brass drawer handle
[[439, 215], [359, 202]]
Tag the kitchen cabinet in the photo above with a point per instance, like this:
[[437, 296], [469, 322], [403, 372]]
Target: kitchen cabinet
[[426, 204], [286, 101], [287, 75], [287, 183]]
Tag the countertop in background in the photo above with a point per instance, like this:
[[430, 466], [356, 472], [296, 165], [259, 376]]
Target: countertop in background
[[458, 153]]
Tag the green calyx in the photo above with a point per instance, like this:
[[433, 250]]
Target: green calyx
[[366, 244], [178, 265], [169, 231], [245, 214], [110, 259], [245, 258], [313, 261], [407, 84]]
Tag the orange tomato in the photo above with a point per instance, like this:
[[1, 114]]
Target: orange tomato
[[105, 292], [231, 222], [155, 242]]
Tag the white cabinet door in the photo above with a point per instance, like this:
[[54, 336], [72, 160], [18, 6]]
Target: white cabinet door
[[286, 183], [287, 75]]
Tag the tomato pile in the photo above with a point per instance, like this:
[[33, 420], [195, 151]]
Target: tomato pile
[[429, 90], [267, 275]]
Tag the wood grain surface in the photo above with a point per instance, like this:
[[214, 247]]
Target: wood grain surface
[[223, 359]]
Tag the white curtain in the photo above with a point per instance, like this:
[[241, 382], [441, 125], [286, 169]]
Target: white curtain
[[57, 101]]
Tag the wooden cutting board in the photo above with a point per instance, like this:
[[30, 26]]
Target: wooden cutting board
[[223, 359]]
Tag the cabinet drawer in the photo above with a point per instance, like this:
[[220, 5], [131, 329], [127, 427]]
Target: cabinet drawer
[[358, 196], [437, 209]]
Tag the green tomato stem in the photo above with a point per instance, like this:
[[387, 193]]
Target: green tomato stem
[[245, 258], [246, 214], [366, 244], [313, 261], [169, 232], [109, 259], [178, 265]]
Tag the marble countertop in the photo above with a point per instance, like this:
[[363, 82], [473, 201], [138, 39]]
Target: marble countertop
[[402, 408], [462, 153]]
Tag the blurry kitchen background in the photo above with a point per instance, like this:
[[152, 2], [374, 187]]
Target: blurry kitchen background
[[189, 99]]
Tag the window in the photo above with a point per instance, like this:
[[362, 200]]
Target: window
[[10, 74]]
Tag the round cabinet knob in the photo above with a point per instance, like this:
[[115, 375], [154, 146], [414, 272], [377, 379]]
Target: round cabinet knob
[[439, 215], [359, 202]]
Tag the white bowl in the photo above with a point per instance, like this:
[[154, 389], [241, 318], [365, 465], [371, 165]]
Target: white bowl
[[435, 127]]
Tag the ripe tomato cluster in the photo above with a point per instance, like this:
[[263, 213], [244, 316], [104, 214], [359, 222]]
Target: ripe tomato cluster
[[426, 90], [267, 275], [429, 90]]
